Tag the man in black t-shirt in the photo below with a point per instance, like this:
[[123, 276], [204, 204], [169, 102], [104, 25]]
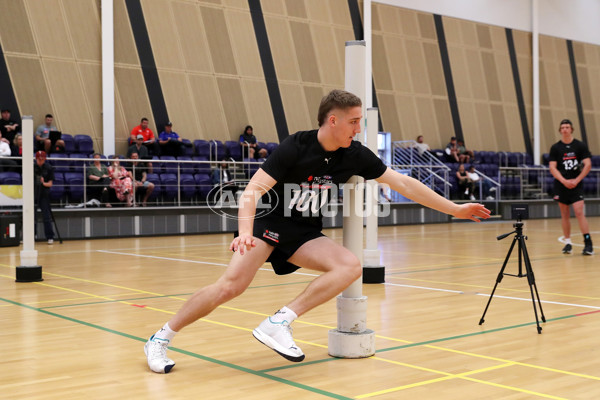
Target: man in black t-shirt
[[569, 164], [43, 180], [140, 181], [298, 176], [8, 127]]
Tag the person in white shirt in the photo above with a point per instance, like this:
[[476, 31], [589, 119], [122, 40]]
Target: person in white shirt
[[7, 165], [421, 146]]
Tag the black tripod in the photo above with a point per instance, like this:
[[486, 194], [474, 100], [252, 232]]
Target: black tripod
[[523, 256]]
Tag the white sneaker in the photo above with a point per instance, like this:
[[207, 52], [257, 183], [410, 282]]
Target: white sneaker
[[471, 197], [278, 336], [156, 351], [490, 198], [50, 241]]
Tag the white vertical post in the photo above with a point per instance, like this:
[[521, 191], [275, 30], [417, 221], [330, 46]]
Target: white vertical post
[[352, 339], [373, 272], [28, 271], [535, 49], [108, 78], [368, 99]]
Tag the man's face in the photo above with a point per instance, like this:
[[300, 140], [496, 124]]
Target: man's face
[[40, 160], [346, 125], [140, 141], [420, 139], [144, 124], [5, 115], [565, 129], [49, 121], [168, 128]]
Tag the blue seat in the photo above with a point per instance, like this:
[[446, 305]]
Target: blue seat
[[157, 192], [185, 167], [169, 185], [234, 149], [169, 167], [10, 178], [217, 150], [57, 191], [271, 146], [74, 185], [203, 167], [202, 148], [77, 165], [84, 144], [60, 165], [187, 184], [204, 185], [69, 142]]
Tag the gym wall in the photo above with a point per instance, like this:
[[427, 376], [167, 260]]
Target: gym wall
[[211, 67]]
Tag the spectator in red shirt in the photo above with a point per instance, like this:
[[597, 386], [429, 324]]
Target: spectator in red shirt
[[149, 139]]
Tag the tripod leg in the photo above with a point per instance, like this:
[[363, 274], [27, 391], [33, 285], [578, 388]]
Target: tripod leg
[[498, 280], [532, 286], [55, 226]]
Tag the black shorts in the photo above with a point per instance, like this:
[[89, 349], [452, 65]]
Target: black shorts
[[287, 236], [567, 196]]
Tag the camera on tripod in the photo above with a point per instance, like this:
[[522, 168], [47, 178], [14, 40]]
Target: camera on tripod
[[519, 212]]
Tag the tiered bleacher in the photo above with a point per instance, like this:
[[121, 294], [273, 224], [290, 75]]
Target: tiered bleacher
[[182, 180]]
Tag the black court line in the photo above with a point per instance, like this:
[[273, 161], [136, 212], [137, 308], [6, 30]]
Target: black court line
[[441, 35], [144, 49], [519, 90], [359, 34], [577, 91], [266, 58], [9, 100]]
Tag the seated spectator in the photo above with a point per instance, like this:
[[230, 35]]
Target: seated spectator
[[421, 146], [250, 148], [16, 149], [42, 137], [478, 182], [148, 136], [139, 148], [99, 181], [221, 176], [170, 142], [464, 155], [7, 165], [465, 184], [8, 127], [120, 181], [451, 152], [138, 171]]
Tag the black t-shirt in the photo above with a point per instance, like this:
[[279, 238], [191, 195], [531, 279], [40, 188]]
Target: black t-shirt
[[6, 134], [138, 174], [244, 137], [569, 157], [47, 172], [306, 174]]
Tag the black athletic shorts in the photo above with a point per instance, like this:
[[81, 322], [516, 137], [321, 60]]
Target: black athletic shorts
[[567, 196], [287, 236]]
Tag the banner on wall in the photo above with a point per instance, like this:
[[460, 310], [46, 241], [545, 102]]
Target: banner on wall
[[11, 195]]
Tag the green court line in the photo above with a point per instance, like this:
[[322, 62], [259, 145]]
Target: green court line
[[188, 353], [416, 344]]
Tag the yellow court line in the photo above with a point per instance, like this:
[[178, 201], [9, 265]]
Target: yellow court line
[[466, 353], [429, 381], [487, 287]]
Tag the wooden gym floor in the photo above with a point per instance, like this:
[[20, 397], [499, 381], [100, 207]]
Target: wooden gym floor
[[80, 333]]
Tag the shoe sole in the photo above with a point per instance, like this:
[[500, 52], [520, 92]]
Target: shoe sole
[[567, 252], [273, 345], [167, 368], [587, 253]]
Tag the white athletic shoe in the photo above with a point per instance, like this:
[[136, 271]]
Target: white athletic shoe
[[156, 351], [278, 336]]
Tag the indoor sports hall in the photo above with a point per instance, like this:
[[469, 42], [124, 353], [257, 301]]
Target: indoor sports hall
[[447, 308]]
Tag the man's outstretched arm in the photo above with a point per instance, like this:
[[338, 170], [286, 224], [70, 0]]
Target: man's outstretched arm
[[416, 191]]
